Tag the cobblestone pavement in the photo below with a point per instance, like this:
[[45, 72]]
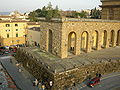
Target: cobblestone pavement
[[6, 81], [3, 80]]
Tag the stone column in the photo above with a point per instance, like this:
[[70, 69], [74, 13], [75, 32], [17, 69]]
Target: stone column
[[64, 50], [44, 40], [64, 44], [108, 39], [99, 40], [115, 38], [89, 42], [77, 49]]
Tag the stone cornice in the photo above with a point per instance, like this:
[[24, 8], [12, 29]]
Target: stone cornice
[[110, 6], [62, 20]]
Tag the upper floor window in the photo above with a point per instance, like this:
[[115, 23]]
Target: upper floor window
[[16, 34], [16, 29], [7, 30], [16, 25], [7, 25], [8, 36]]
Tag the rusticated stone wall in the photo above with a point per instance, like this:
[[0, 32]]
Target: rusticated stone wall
[[56, 37], [111, 9], [62, 28], [41, 70]]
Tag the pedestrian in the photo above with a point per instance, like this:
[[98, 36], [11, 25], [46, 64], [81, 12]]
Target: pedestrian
[[35, 83], [97, 74], [51, 83], [39, 86], [20, 70], [43, 87], [100, 75]]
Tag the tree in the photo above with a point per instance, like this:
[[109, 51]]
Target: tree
[[96, 14], [56, 13], [75, 14], [49, 7], [49, 15], [38, 11], [32, 16], [83, 14], [44, 12], [47, 12]]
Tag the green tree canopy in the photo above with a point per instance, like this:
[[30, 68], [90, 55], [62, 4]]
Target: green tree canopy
[[47, 12], [96, 14]]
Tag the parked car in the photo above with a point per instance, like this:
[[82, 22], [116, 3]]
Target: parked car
[[94, 82]]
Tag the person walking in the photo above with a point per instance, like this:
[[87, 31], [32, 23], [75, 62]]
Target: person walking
[[51, 83], [39, 86], [35, 82], [43, 87], [20, 70], [100, 75]]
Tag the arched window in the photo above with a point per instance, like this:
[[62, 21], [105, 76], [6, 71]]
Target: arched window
[[104, 39], [84, 41], [71, 42], [112, 33], [95, 40]]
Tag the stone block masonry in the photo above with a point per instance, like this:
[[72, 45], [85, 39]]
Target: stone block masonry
[[65, 72], [67, 36]]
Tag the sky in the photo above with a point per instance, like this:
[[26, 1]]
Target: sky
[[30, 5]]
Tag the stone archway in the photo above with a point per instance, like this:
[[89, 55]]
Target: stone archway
[[112, 34], [84, 41], [104, 39], [72, 42], [118, 38], [95, 40], [50, 39]]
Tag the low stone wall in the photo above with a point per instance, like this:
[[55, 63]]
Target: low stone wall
[[77, 75], [67, 78]]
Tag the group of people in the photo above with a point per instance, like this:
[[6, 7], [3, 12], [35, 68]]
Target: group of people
[[38, 84]]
